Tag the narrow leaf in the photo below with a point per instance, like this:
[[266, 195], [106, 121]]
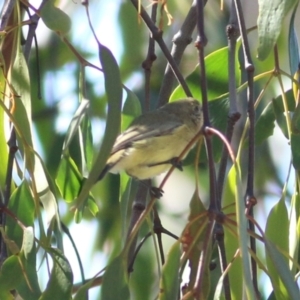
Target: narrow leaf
[[54, 18], [293, 46], [61, 279], [169, 284], [75, 123], [230, 238], [113, 88], [115, 285], [269, 22], [295, 142], [265, 124], [283, 282], [278, 218], [68, 179]]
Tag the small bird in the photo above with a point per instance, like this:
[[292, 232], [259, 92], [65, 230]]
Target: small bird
[[154, 140]]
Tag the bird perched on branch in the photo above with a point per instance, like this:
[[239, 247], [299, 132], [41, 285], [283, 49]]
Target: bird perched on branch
[[154, 140]]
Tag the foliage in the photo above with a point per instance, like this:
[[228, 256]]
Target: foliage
[[217, 246]]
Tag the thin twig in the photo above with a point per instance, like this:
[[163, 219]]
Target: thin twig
[[233, 115], [213, 207], [200, 44], [147, 63], [6, 13], [249, 68], [180, 41], [140, 200], [138, 208], [157, 36]]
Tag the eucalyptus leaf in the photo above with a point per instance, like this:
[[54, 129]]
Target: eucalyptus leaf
[[269, 23]]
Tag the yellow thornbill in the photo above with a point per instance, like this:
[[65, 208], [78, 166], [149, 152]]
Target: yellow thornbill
[[155, 140]]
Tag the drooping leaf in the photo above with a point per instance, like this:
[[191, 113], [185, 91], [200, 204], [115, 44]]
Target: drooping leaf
[[68, 179], [269, 22], [294, 232], [54, 18], [283, 282], [169, 284], [61, 279], [231, 235], [293, 44], [295, 142], [131, 109], [75, 123], [279, 110], [113, 89], [18, 273], [83, 291], [8, 279], [22, 205], [194, 233], [22, 108], [265, 124], [278, 217], [115, 272], [86, 145], [296, 120]]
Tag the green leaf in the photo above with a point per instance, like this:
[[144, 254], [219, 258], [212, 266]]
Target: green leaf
[[54, 18], [295, 142], [68, 179], [10, 244], [131, 109], [216, 65], [113, 89], [10, 274], [265, 124], [128, 192], [169, 283], [231, 235], [294, 231], [61, 279], [293, 46], [279, 110], [22, 205], [86, 145], [278, 218], [19, 274], [92, 205], [3, 146], [83, 291], [75, 123], [269, 22], [115, 285], [22, 110], [282, 280], [296, 120], [196, 231]]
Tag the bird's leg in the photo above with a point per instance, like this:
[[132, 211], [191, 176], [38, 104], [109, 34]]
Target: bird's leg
[[154, 191], [176, 163], [173, 161]]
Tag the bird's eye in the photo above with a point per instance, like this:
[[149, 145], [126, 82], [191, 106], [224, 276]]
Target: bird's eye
[[197, 109]]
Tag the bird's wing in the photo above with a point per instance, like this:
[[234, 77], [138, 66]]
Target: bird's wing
[[137, 133]]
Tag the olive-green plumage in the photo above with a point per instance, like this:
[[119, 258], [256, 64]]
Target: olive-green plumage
[[153, 139]]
